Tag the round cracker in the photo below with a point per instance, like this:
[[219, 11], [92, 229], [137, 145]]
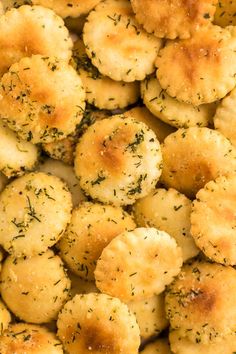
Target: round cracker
[[98, 323], [91, 229], [117, 44], [224, 119], [5, 318], [34, 212], [225, 13], [169, 211], [35, 288], [29, 339], [169, 110], [213, 220], [16, 155], [118, 160], [160, 346], [150, 315], [182, 345], [194, 156], [42, 110], [203, 68], [174, 18], [74, 8], [67, 174], [101, 91], [142, 114], [32, 30], [200, 302], [138, 264]]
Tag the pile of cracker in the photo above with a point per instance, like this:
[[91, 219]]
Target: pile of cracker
[[117, 176]]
